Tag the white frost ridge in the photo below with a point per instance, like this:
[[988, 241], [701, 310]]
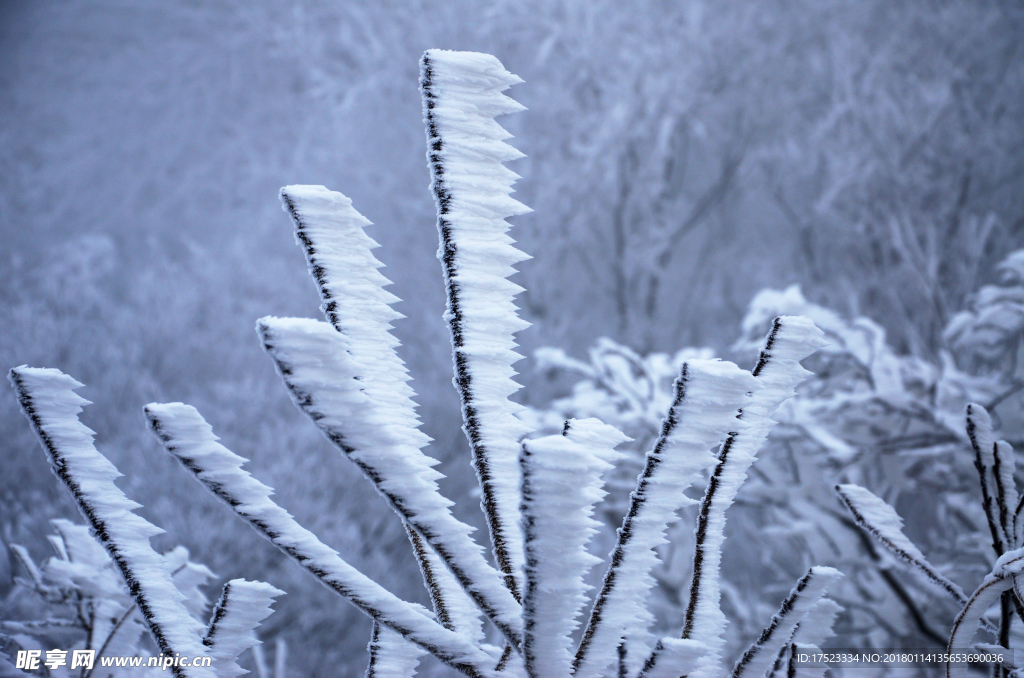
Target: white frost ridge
[[802, 601], [48, 400], [778, 372], [462, 94]]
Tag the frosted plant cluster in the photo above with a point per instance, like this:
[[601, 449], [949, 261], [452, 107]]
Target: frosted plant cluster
[[995, 463], [161, 591], [517, 613]]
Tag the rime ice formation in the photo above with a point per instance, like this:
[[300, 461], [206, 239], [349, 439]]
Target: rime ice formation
[[802, 600], [778, 371], [462, 94], [538, 495], [188, 437], [708, 393]]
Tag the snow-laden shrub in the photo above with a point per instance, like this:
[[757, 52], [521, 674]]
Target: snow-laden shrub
[[539, 495], [76, 599], [1004, 584], [867, 415], [107, 585]]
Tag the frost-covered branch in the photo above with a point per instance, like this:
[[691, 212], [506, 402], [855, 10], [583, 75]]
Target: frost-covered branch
[[708, 394], [979, 431], [778, 371], [807, 593], [674, 657], [1007, 568], [391, 655], [231, 631], [452, 607], [376, 429], [462, 94], [562, 482], [348, 378], [191, 440], [1003, 468], [882, 522], [48, 400]]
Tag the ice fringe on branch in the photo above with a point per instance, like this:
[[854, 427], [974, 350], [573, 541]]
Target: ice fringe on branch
[[561, 484], [778, 372], [48, 399], [462, 94], [391, 656], [188, 437], [538, 496], [708, 394], [802, 600]]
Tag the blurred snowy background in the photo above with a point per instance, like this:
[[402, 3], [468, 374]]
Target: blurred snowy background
[[682, 157]]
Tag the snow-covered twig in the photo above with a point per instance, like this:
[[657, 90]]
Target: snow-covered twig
[[883, 523], [462, 94], [21, 553], [1000, 580], [191, 440], [708, 394], [48, 400], [231, 631], [979, 431], [1003, 467], [561, 485]]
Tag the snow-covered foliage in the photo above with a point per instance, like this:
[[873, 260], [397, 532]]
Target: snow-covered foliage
[[109, 580]]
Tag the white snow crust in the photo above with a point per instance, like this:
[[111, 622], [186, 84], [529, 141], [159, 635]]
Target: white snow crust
[[48, 400]]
